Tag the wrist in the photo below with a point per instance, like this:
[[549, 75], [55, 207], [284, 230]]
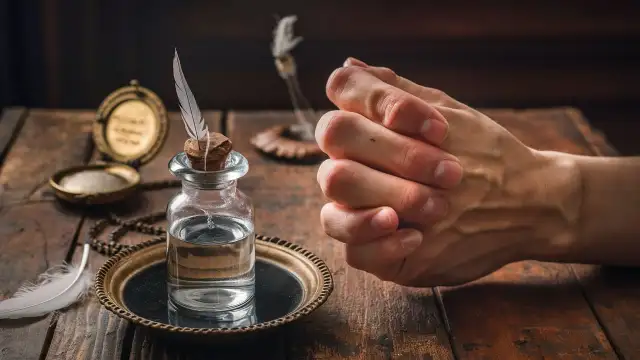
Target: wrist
[[556, 191], [608, 230]]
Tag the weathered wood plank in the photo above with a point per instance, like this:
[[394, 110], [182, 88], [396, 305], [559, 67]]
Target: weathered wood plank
[[364, 318], [10, 122], [615, 297], [90, 331], [145, 347], [613, 292], [528, 309], [62, 139], [36, 234]]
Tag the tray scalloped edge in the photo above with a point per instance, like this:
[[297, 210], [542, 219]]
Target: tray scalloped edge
[[105, 300]]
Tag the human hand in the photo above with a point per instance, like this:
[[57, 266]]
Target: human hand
[[471, 196]]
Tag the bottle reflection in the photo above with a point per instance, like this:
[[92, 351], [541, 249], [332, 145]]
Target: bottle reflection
[[236, 318]]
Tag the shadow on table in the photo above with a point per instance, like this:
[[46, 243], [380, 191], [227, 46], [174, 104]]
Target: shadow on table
[[625, 277], [126, 207], [148, 345], [541, 299], [18, 323], [319, 329]]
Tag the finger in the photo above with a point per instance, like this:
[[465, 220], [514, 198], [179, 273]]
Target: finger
[[431, 95], [351, 61], [347, 135], [356, 186], [357, 226], [353, 89], [384, 257]]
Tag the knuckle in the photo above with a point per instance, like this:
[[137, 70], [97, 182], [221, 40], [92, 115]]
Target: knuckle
[[438, 96], [435, 94], [326, 218], [410, 158], [388, 72], [385, 74], [410, 197], [439, 93], [352, 226], [340, 81], [331, 128], [339, 225], [338, 176], [379, 100], [396, 106]]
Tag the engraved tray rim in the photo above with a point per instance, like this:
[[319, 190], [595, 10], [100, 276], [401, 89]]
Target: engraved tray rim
[[324, 286]]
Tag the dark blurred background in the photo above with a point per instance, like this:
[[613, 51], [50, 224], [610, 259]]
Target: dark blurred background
[[72, 53]]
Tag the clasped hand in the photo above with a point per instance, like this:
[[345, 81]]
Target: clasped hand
[[425, 190]]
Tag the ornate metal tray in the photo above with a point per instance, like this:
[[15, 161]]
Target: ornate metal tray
[[291, 282]]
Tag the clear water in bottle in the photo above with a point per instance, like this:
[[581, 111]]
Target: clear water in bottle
[[210, 264]]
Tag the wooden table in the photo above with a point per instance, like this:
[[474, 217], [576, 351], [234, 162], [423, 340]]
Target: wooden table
[[527, 310]]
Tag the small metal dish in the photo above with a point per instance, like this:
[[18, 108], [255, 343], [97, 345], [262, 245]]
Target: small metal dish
[[129, 130], [291, 282], [95, 184]]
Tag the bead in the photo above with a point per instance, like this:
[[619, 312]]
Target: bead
[[140, 224]]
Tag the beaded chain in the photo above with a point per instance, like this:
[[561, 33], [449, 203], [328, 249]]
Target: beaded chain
[[141, 224]]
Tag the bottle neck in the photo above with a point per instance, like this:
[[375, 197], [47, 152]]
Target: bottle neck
[[210, 192]]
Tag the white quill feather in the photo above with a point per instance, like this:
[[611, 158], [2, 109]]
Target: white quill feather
[[283, 40], [55, 289], [195, 125]]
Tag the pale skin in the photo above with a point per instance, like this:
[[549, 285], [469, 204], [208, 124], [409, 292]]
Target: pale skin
[[426, 191]]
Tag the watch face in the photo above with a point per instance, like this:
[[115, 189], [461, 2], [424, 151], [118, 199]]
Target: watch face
[[131, 129]]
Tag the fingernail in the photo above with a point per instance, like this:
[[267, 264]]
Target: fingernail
[[448, 173], [382, 220], [424, 130], [411, 241], [435, 206]]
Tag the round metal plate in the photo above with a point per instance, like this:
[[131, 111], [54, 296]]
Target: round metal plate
[[95, 184], [291, 282]]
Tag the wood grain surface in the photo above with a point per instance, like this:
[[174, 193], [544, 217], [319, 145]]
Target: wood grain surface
[[11, 120], [526, 310], [36, 233]]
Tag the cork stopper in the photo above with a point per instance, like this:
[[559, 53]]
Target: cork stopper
[[219, 148]]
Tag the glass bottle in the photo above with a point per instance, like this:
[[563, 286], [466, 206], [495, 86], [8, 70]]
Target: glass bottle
[[210, 242]]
